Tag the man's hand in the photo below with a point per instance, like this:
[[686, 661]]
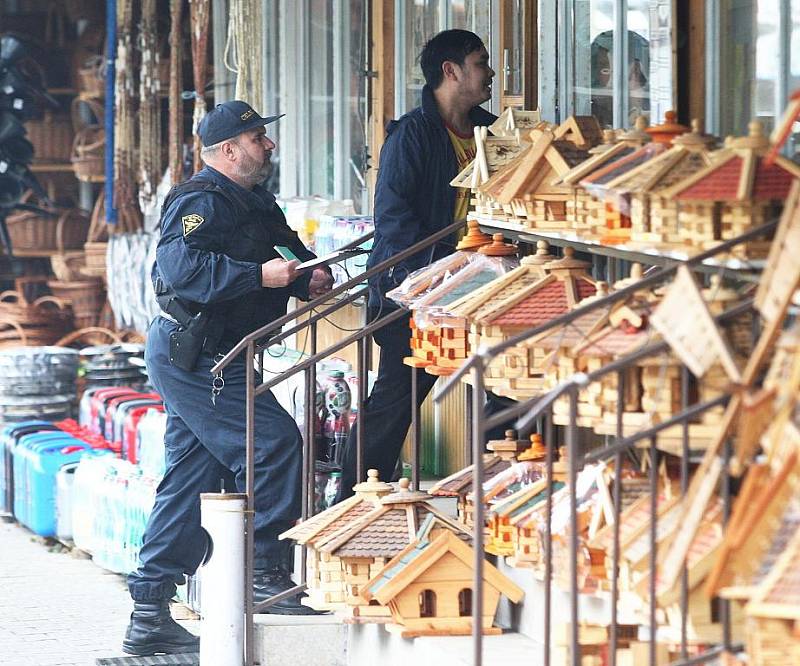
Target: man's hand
[[279, 273], [320, 284]]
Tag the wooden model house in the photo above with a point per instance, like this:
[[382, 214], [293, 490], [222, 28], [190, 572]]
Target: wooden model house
[[765, 517], [503, 454], [513, 121], [427, 587], [654, 217], [518, 301], [324, 574], [525, 184], [612, 222], [365, 545], [582, 209], [773, 614], [735, 193], [439, 340]]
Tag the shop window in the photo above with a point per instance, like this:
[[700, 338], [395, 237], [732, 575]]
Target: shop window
[[427, 603], [465, 602]]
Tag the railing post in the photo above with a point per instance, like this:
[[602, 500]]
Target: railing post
[[725, 604], [249, 550], [548, 544], [572, 459], [617, 510], [684, 489], [415, 429], [363, 380], [478, 527], [653, 544], [311, 462]]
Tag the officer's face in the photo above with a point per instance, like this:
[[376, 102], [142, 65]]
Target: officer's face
[[253, 155]]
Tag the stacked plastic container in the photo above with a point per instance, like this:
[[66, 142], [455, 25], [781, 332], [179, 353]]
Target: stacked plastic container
[[336, 231]]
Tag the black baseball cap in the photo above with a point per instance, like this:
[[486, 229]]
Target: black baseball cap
[[230, 119]]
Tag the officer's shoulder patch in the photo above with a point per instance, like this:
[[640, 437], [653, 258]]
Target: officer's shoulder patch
[[191, 222]]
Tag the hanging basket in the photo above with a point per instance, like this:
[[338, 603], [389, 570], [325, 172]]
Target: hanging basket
[[86, 297], [42, 235], [88, 154], [67, 266]]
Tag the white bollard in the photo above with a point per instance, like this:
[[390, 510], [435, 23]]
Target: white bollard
[[222, 591]]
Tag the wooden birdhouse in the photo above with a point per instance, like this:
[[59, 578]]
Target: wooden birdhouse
[[526, 184], [504, 453], [654, 217], [582, 209], [364, 546], [735, 193], [324, 574], [518, 301], [438, 340], [773, 614], [612, 222], [491, 154], [766, 515], [512, 121], [428, 588]]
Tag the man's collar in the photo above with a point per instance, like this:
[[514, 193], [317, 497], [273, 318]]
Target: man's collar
[[477, 114]]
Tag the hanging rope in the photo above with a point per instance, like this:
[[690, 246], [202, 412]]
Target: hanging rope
[[199, 21], [175, 158], [129, 216], [149, 107], [243, 53]]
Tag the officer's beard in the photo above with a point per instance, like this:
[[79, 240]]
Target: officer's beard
[[252, 171]]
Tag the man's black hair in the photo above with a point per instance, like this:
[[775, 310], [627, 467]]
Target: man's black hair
[[452, 45]]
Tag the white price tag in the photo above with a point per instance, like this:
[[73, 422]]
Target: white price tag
[[19, 103], [3, 167]]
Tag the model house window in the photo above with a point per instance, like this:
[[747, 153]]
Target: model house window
[[465, 602], [427, 603]]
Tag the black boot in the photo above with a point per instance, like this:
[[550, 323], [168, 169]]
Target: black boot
[[152, 630], [274, 580]]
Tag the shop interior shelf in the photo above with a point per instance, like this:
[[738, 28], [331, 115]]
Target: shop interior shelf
[[746, 269]]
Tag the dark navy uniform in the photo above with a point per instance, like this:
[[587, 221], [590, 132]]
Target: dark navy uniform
[[210, 253]]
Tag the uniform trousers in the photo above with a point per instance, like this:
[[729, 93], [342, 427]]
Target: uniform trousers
[[205, 452]]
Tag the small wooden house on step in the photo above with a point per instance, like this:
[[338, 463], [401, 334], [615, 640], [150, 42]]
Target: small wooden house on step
[[365, 545], [324, 574], [428, 588]]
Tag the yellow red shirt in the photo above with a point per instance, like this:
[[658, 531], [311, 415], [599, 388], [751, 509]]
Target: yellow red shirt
[[464, 147]]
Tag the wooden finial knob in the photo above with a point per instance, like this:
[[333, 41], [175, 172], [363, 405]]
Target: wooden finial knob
[[697, 125], [569, 252], [542, 247], [372, 476], [404, 483], [609, 136], [640, 123], [670, 116], [511, 435], [636, 271], [601, 288], [755, 128]]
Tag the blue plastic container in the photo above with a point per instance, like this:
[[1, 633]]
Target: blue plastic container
[[37, 459], [8, 441]]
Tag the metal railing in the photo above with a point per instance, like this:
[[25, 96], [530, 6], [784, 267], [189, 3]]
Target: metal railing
[[537, 410]]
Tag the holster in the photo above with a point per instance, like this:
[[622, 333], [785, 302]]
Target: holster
[[186, 344]]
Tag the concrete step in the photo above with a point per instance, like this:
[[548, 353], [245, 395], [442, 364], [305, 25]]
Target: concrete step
[[286, 640], [371, 644]]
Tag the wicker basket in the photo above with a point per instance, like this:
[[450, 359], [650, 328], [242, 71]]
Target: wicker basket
[[91, 77], [41, 322], [86, 297], [95, 259], [52, 137], [88, 154], [43, 235], [67, 266]]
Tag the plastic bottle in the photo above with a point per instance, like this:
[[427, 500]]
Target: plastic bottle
[[332, 488], [337, 423]]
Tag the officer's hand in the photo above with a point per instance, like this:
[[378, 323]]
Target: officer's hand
[[279, 273], [320, 283]]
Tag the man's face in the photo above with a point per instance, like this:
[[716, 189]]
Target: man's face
[[475, 77], [254, 150]]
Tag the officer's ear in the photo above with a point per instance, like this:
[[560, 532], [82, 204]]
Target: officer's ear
[[228, 150]]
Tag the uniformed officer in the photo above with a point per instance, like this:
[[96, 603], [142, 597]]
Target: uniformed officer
[[217, 278]]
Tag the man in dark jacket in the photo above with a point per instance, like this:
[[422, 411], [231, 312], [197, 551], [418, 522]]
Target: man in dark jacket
[[424, 151], [217, 278]]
